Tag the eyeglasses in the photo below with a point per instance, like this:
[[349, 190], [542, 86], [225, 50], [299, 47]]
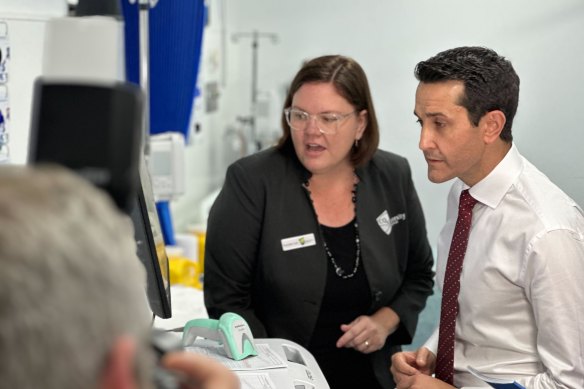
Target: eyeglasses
[[327, 123]]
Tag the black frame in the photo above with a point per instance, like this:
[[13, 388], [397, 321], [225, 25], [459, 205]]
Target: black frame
[[151, 253]]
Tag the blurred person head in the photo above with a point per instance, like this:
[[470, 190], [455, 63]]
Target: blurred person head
[[331, 89], [73, 311]]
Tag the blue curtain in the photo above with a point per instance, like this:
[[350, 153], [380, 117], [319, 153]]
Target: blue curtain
[[175, 41]]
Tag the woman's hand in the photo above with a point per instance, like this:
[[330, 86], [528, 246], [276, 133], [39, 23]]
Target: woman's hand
[[368, 333]]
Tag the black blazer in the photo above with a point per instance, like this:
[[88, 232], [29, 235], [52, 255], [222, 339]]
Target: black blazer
[[279, 292]]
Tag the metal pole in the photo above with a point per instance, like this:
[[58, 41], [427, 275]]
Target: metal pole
[[144, 26], [255, 37], [254, 82]]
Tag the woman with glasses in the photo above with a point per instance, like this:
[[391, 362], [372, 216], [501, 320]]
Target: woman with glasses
[[321, 239]]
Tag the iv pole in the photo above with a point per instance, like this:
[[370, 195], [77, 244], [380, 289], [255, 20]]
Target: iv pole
[[255, 37], [144, 28]]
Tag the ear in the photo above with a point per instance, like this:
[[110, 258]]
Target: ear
[[493, 123], [362, 120], [118, 371]]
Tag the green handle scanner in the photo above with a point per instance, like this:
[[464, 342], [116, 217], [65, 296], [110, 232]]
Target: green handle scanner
[[231, 330]]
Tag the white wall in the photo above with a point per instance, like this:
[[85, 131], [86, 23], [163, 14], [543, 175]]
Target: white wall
[[543, 39], [26, 21]]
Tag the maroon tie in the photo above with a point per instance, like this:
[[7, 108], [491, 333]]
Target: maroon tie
[[449, 310]]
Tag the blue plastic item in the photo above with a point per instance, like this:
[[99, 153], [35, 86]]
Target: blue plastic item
[[165, 217]]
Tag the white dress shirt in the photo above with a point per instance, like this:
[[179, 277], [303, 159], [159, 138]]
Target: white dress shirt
[[521, 302]]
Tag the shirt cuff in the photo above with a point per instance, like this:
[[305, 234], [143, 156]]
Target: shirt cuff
[[432, 342]]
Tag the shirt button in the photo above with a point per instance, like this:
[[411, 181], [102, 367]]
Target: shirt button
[[377, 295]]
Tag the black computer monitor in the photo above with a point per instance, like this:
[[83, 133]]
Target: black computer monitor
[[150, 246]]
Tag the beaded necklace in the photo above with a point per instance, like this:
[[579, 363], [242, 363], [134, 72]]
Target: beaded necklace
[[338, 270]]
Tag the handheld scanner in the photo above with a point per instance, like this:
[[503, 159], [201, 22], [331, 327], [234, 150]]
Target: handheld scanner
[[231, 330]]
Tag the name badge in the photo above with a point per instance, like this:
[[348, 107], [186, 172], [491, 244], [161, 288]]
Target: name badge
[[298, 242]]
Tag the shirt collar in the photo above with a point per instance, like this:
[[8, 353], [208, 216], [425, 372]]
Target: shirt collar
[[491, 189]]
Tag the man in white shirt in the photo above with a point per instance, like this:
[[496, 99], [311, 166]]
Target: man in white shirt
[[521, 300]]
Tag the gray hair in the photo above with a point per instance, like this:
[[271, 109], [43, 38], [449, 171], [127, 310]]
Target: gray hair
[[70, 280]]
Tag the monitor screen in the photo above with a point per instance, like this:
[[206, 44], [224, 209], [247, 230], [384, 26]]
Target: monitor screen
[[150, 246]]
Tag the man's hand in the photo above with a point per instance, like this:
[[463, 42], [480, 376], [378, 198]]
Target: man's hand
[[422, 381], [200, 372], [408, 364]]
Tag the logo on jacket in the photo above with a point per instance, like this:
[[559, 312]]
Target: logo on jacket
[[386, 223]]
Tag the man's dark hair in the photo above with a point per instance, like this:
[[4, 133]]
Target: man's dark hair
[[490, 82]]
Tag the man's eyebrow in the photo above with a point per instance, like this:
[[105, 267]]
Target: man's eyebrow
[[431, 114]]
